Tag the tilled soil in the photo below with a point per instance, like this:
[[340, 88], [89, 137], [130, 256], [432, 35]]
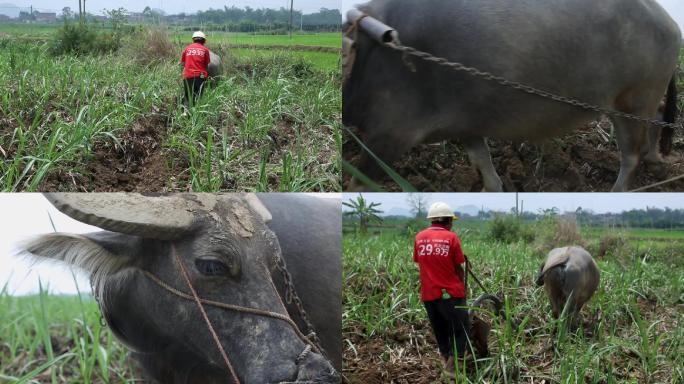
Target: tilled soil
[[585, 161], [135, 162], [406, 354]]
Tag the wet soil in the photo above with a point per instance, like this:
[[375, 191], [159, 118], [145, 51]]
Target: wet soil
[[585, 161], [135, 162], [405, 354]]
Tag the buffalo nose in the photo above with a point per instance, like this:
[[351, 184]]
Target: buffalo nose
[[312, 367]]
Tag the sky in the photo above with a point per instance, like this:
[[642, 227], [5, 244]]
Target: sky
[[175, 6], [597, 202], [26, 215], [674, 7]]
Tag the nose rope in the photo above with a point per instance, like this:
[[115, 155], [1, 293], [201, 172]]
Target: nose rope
[[236, 308], [186, 277], [259, 312]]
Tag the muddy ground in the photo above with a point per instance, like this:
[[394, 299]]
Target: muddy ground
[[584, 161], [407, 354], [140, 161], [136, 162]]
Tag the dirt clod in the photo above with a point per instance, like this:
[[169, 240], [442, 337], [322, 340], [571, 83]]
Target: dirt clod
[[585, 161], [136, 162]]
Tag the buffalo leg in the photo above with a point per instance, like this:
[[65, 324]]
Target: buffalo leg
[[553, 284], [557, 304], [651, 151], [478, 153], [631, 137]]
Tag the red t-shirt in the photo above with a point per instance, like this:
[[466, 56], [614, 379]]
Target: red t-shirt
[[437, 252], [196, 59]]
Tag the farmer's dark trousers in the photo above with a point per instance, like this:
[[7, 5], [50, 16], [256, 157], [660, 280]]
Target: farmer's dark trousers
[[450, 325], [192, 90]]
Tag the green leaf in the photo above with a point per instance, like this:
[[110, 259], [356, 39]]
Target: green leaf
[[403, 183]]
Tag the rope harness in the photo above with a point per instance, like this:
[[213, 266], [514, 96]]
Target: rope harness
[[312, 342], [456, 66], [391, 41]]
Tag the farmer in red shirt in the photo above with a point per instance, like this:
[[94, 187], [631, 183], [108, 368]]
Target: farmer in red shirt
[[195, 61], [438, 253]]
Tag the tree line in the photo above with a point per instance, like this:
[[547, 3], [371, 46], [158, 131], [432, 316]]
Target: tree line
[[228, 19], [636, 218], [251, 19], [660, 218]]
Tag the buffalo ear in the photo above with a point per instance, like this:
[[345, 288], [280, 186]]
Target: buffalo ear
[[100, 253]]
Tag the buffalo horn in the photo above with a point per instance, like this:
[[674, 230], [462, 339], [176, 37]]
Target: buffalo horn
[[160, 217]]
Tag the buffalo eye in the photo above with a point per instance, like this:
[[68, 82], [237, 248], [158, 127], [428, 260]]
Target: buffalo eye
[[212, 267]]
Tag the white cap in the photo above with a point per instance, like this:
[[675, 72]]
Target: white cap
[[440, 209], [199, 34]]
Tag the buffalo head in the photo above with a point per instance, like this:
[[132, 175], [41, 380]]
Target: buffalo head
[[229, 254]]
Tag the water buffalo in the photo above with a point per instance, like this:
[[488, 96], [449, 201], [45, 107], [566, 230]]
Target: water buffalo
[[214, 67], [618, 54], [570, 277], [229, 245]]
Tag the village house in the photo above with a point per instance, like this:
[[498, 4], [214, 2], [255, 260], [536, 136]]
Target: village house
[[45, 17]]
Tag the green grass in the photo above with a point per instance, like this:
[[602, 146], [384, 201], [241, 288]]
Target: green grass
[[322, 39], [271, 125], [58, 340], [28, 30], [328, 39], [636, 233], [632, 331], [320, 60]]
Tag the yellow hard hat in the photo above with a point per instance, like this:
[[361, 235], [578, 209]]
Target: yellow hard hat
[[440, 209]]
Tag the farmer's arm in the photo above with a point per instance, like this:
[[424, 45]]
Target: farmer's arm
[[458, 258], [415, 251], [182, 62]]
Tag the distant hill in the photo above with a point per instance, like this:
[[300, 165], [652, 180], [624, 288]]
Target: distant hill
[[397, 212], [9, 9], [471, 210]]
